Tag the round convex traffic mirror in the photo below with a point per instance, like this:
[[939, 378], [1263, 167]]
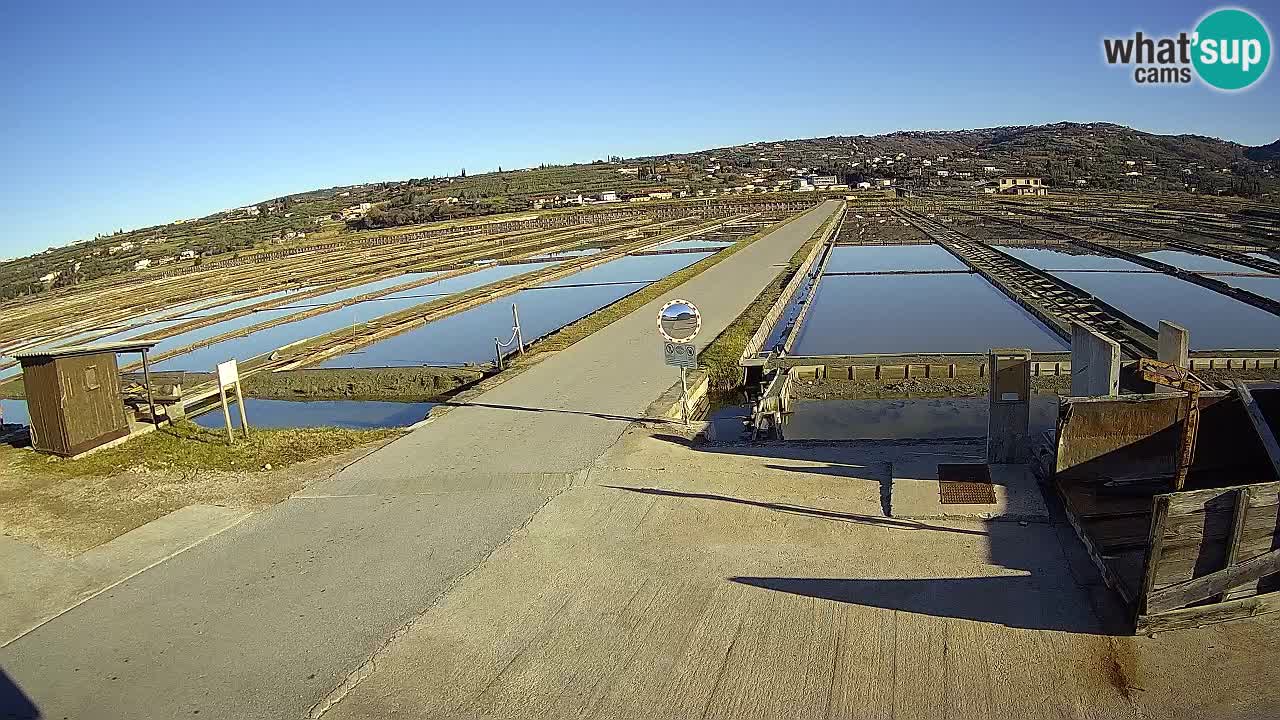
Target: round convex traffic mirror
[[679, 321]]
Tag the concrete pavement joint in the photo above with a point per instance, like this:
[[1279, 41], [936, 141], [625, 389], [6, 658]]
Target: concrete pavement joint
[[113, 585], [367, 668]]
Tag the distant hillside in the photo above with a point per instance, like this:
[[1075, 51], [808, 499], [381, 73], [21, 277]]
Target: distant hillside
[[1264, 153], [1098, 153], [1089, 155]]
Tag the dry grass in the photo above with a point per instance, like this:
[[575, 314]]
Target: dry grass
[[186, 446], [720, 357], [71, 506]]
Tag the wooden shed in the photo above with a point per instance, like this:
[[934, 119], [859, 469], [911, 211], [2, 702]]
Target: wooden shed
[[1206, 553], [73, 396]]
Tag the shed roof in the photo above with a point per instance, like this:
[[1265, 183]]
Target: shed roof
[[70, 350]]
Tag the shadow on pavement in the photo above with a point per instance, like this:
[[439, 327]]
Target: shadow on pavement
[[521, 408], [800, 510], [14, 704], [1055, 588], [1017, 602]]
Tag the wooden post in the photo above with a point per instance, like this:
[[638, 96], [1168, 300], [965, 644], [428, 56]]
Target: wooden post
[[146, 377], [1237, 530], [1155, 547], [226, 414], [1260, 426], [244, 421]]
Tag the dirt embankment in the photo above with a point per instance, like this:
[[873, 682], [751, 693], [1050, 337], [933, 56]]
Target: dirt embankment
[[410, 384]]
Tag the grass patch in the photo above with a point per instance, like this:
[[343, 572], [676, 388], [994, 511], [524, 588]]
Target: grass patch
[[720, 357], [575, 331], [186, 446]]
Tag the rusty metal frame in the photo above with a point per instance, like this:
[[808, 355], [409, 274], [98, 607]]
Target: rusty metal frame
[[1179, 378]]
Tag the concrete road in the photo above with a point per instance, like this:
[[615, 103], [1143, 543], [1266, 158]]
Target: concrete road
[[268, 618], [765, 582]]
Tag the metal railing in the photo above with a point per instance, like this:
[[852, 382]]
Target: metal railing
[[517, 339]]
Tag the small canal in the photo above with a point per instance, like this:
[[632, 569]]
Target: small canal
[[14, 412], [350, 414]]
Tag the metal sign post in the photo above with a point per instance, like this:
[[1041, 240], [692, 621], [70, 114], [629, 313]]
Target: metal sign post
[[679, 322], [229, 376]]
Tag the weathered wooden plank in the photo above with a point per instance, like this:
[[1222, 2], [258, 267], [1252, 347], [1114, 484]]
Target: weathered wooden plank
[[1126, 586], [1260, 425], [1189, 561], [1159, 513], [1087, 503], [1113, 534], [1196, 528], [1237, 529], [1185, 593], [1223, 498], [1208, 614]]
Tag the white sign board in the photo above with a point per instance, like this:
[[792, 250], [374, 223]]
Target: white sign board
[[228, 373], [679, 321], [680, 354]]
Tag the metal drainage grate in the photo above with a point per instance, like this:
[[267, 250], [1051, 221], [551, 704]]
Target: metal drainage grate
[[965, 484]]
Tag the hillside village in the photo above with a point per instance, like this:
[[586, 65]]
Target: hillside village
[[1058, 157]]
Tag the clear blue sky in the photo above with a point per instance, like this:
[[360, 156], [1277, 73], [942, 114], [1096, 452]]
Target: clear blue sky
[[121, 115]]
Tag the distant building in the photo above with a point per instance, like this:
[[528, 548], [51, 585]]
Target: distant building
[[1022, 185], [142, 264], [661, 195], [608, 196], [864, 185], [356, 211], [188, 255], [628, 171], [822, 181]]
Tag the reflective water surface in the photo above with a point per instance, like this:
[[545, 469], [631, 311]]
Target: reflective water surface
[[352, 414], [1197, 263], [14, 412], [1216, 322], [467, 337], [1052, 259], [916, 313]]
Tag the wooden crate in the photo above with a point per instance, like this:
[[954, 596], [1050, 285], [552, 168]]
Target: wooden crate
[[1206, 554]]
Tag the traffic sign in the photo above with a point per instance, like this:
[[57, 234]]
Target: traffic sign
[[679, 321], [680, 354]]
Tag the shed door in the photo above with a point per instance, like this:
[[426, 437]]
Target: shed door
[[91, 400]]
